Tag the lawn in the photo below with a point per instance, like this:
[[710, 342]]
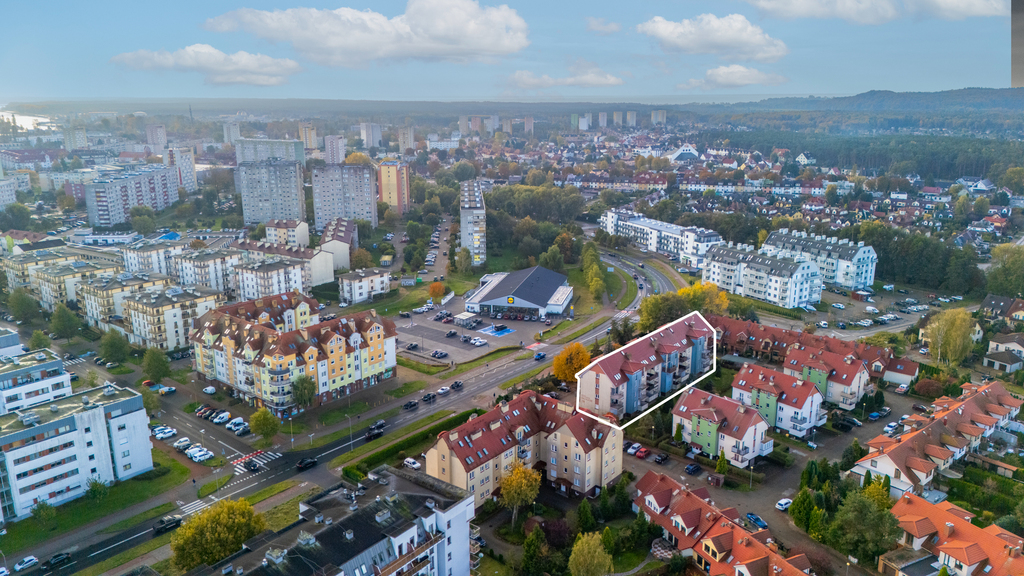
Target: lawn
[[191, 407], [166, 568], [585, 304], [127, 556], [575, 335], [338, 414], [215, 462], [422, 368], [405, 299], [462, 285], [630, 294], [523, 377], [271, 491], [408, 388], [490, 567], [77, 513], [389, 438], [491, 356], [211, 487], [285, 513], [180, 375], [671, 275], [158, 511], [357, 430], [121, 370]]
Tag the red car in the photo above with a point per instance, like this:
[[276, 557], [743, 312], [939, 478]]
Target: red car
[[643, 453]]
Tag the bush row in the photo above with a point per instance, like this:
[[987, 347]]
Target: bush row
[[977, 476], [979, 498]]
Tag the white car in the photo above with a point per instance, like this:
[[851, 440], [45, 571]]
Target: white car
[[202, 456], [443, 390], [194, 449], [839, 306], [632, 449], [222, 418], [210, 390], [783, 504], [890, 427], [181, 442], [822, 324], [411, 463], [235, 423], [164, 434], [480, 343], [871, 310], [27, 562]]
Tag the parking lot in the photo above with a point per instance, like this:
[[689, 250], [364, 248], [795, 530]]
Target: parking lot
[[430, 335]]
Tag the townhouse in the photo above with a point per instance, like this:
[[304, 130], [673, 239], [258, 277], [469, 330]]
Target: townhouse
[[940, 535], [631, 379], [58, 284], [154, 256], [689, 243], [261, 278], [842, 263], [164, 316], [103, 296], [257, 347], [574, 453], [317, 265], [783, 282], [712, 537], [788, 403], [842, 380], [928, 445], [363, 285], [713, 424], [210, 268]]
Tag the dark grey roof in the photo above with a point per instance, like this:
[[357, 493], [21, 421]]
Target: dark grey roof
[[1000, 305], [811, 245], [41, 245], [1004, 357], [732, 256], [535, 285]]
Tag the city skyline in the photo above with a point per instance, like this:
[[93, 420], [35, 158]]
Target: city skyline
[[519, 51]]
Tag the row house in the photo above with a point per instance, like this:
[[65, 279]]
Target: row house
[[842, 380], [713, 424], [635, 377], [714, 538], [574, 453], [928, 445], [786, 402], [258, 347]]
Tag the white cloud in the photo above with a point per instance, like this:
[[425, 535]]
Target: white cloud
[[881, 11], [731, 36], [601, 27], [732, 76], [584, 74], [216, 66], [453, 30]]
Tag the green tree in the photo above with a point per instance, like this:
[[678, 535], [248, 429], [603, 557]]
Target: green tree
[[155, 365], [1005, 277], [585, 516], [303, 391], [722, 466], [361, 258], [38, 341], [215, 533], [608, 540], [950, 334], [22, 306], [589, 557], [817, 526], [851, 454], [981, 206], [464, 261], [518, 488], [863, 530], [143, 225], [533, 547], [150, 401], [552, 260], [463, 171], [800, 509], [114, 347], [44, 513], [97, 489], [264, 423], [64, 323], [259, 233]]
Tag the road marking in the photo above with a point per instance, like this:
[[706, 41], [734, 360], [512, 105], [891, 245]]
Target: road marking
[[121, 542]]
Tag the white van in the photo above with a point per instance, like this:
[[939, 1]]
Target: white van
[[871, 310]]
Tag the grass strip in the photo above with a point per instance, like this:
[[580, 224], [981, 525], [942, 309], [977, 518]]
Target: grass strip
[[120, 370], [389, 438], [286, 512], [670, 274], [78, 513], [575, 335], [338, 414], [630, 293], [158, 511], [525, 356], [513, 381], [407, 388], [489, 357], [344, 432], [271, 490], [126, 556], [422, 368], [191, 407], [211, 487], [166, 568]]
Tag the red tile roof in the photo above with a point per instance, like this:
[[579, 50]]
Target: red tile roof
[[732, 416], [842, 370], [789, 389]]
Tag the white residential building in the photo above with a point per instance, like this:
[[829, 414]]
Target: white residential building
[[689, 243], [155, 256], [370, 133], [842, 263], [317, 263], [109, 200], [473, 221], [103, 296], [363, 285], [231, 132], [30, 378], [183, 162], [256, 150], [714, 424], [164, 317], [780, 281], [268, 277], [340, 237], [210, 268], [271, 189], [288, 232], [346, 191], [334, 149], [786, 402]]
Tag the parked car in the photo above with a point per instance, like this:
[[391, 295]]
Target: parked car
[[411, 404], [852, 421], [822, 324], [757, 521], [56, 561], [885, 411], [451, 334], [412, 346], [874, 416], [661, 458], [26, 562], [890, 428], [839, 306], [182, 444], [903, 389], [643, 453], [222, 418], [210, 390], [305, 463], [109, 365], [923, 351], [166, 433], [632, 450], [693, 469], [783, 504], [235, 424], [411, 463], [168, 390], [167, 523], [242, 431], [920, 407]]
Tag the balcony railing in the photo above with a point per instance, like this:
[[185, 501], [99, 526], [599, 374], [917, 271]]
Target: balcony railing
[[798, 419], [848, 393], [741, 450], [524, 454], [474, 531], [474, 546], [394, 566], [474, 563]]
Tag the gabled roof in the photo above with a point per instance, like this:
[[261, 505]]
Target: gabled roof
[[841, 370], [789, 390], [732, 417], [999, 305]]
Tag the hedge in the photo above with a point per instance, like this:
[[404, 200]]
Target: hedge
[[355, 472], [977, 476], [928, 369], [781, 458], [733, 472], [979, 498]]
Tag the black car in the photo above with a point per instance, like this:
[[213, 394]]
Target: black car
[[242, 430], [74, 376], [412, 346], [166, 523], [56, 561], [885, 411], [429, 397], [372, 434], [405, 315], [451, 333], [693, 469], [410, 405], [378, 425], [252, 465], [920, 407], [661, 458], [457, 385], [306, 463]]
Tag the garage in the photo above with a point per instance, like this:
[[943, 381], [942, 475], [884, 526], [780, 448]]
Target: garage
[[534, 291]]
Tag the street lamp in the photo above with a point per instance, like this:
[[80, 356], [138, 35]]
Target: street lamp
[[310, 440], [5, 557], [202, 438], [349, 431], [847, 569]]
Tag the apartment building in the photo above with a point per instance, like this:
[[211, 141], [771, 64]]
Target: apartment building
[[271, 189], [103, 296], [631, 119], [780, 281], [258, 150], [75, 138], [109, 200], [235, 346], [371, 136], [688, 243], [406, 139], [842, 380], [10, 344], [54, 448], [307, 135], [713, 538], [714, 424], [473, 221], [786, 402], [659, 116], [340, 237], [363, 285], [927, 445], [400, 523], [154, 256], [183, 162], [288, 232], [231, 132], [842, 263], [628, 381], [209, 268], [259, 278], [346, 191], [334, 149], [8, 191], [575, 454], [30, 378], [164, 316], [317, 264], [617, 118], [58, 284], [393, 185], [21, 268], [156, 136]]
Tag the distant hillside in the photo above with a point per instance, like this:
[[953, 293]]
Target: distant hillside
[[965, 100]]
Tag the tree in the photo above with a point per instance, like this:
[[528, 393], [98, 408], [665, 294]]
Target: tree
[[38, 340], [114, 347], [215, 533], [197, 244], [518, 488], [436, 290], [264, 423], [143, 225], [863, 530], [390, 219], [981, 206], [260, 232], [97, 489], [464, 170], [817, 526], [588, 557], [573, 358], [464, 261], [722, 466], [361, 258], [705, 297], [1006, 277], [800, 509], [585, 516], [155, 365], [851, 454], [878, 493], [553, 259], [832, 195], [950, 334], [303, 390], [43, 512], [23, 307], [532, 549], [928, 388], [64, 323], [358, 157], [608, 540], [150, 401]]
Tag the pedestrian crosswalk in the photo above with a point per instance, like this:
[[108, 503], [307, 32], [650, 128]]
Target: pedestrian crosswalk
[[626, 314], [75, 361], [198, 505], [259, 456]]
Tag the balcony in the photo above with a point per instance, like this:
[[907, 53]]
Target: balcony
[[394, 566], [474, 563], [651, 376], [741, 450], [766, 447], [821, 418], [474, 531], [474, 547], [616, 394], [524, 454], [281, 372], [798, 419], [848, 393], [524, 442]]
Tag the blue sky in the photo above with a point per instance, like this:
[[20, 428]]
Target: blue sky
[[480, 50]]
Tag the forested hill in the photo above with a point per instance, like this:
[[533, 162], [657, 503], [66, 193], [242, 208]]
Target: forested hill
[[965, 100]]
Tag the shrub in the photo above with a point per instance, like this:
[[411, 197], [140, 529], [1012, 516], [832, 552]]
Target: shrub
[[155, 473], [928, 388]]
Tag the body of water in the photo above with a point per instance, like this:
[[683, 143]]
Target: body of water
[[24, 121]]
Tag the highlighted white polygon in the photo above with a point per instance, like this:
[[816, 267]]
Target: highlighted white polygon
[[714, 368]]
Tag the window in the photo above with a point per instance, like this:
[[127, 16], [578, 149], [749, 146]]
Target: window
[[125, 454], [88, 444], [88, 429], [121, 427], [92, 456], [126, 467], [92, 471]]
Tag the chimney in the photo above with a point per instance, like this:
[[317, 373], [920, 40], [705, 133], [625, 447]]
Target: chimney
[[947, 530], [1014, 551]]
